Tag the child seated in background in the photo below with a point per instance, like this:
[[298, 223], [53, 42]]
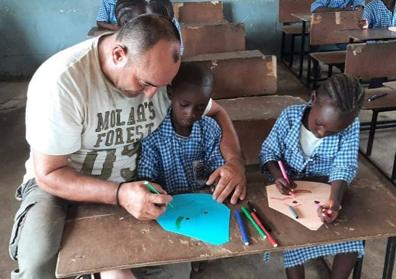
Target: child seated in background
[[129, 9], [183, 152], [336, 5], [319, 140], [379, 14], [106, 18]]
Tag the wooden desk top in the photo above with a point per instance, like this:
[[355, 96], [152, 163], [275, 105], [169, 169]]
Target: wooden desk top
[[358, 35], [98, 238], [303, 17]]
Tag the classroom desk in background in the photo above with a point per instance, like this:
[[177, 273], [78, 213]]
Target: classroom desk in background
[[98, 238], [304, 18], [359, 36]]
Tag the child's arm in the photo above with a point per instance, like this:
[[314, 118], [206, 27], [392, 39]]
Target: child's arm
[[343, 170], [329, 211], [281, 183], [103, 18], [273, 149], [231, 175], [149, 163], [108, 26]]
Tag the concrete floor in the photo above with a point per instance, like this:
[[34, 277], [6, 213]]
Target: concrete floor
[[14, 152]]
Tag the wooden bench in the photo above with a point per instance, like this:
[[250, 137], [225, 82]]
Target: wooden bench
[[199, 12], [324, 32], [212, 38], [241, 73], [368, 61]]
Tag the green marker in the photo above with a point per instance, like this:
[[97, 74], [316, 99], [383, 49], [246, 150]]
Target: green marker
[[154, 190], [250, 218]]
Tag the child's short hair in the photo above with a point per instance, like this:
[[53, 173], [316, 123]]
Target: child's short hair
[[129, 9], [194, 74], [344, 91]]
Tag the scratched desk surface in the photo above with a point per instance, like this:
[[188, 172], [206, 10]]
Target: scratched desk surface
[[100, 238]]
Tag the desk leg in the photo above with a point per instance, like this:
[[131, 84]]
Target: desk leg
[[389, 258], [357, 270], [302, 48], [283, 46], [373, 125]]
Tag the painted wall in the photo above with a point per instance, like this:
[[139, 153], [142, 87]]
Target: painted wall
[[34, 30]]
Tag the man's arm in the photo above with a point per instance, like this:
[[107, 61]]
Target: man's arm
[[54, 176], [108, 26], [231, 177]]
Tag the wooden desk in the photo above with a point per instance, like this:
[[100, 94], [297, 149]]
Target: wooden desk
[[100, 238], [304, 18], [358, 35]]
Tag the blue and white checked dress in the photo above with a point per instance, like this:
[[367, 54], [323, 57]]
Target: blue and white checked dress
[[340, 4], [168, 158], [378, 15], [335, 157], [107, 12]]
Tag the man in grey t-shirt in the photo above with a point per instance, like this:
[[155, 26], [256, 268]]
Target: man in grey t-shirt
[[88, 108]]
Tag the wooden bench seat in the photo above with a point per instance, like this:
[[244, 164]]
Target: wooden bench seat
[[293, 29], [330, 57]]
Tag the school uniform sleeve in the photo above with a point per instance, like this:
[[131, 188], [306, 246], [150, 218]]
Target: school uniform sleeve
[[149, 162], [318, 4], [104, 12], [273, 147], [212, 134], [345, 165], [369, 14], [357, 3]]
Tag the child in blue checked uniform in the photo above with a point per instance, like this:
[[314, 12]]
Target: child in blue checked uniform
[[182, 153], [332, 5], [319, 142], [128, 9], [379, 14], [106, 17]]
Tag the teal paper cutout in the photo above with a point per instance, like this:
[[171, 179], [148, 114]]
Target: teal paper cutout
[[198, 216]]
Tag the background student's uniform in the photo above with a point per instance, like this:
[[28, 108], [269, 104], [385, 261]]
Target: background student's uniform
[[177, 163], [107, 12], [335, 156], [336, 4], [378, 15]]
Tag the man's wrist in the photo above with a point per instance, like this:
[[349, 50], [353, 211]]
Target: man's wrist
[[237, 161], [117, 194]]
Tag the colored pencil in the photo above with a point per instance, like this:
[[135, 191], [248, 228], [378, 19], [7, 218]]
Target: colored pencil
[[241, 225], [293, 211], [260, 224], [152, 189], [251, 220]]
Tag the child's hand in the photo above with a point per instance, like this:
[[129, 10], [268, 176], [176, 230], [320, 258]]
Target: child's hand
[[363, 24], [230, 179], [284, 187], [329, 212]]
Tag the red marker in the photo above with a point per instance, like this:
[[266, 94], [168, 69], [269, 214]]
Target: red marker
[[257, 220]]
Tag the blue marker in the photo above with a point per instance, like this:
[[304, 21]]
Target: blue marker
[[241, 227]]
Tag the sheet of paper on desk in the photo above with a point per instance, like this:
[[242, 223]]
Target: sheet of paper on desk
[[305, 202], [198, 216]]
